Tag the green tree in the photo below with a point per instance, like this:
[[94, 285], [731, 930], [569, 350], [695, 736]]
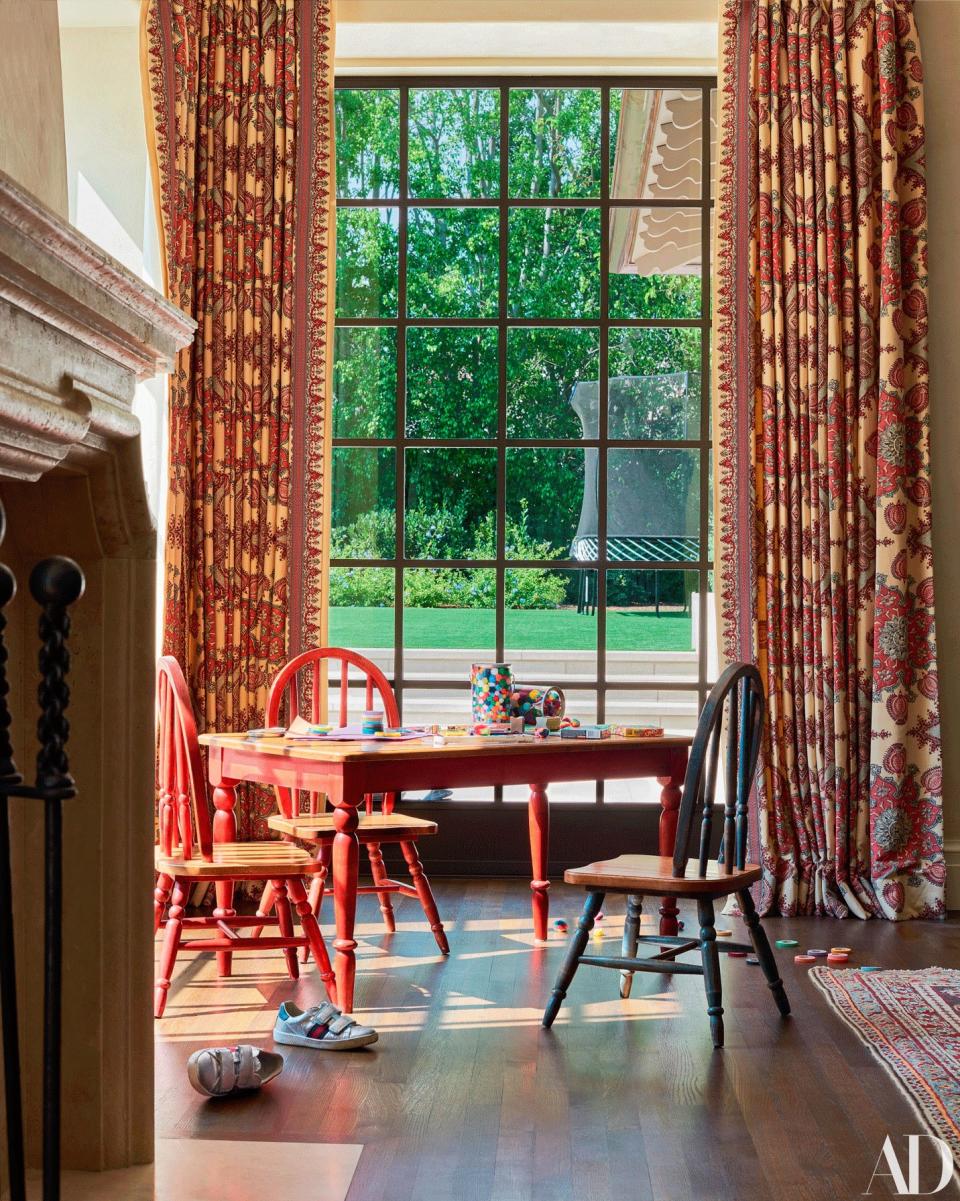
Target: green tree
[[452, 375]]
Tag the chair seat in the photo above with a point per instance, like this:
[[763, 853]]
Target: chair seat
[[241, 860], [654, 873], [373, 827]]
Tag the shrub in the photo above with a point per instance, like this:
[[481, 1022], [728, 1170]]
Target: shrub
[[361, 587], [442, 530]]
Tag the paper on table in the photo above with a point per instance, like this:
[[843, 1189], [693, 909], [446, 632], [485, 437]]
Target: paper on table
[[301, 728], [303, 731]]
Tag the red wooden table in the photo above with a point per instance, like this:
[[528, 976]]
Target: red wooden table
[[346, 771]]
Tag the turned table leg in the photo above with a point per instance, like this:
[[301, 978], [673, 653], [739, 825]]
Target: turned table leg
[[538, 808], [670, 793], [224, 830], [346, 860]]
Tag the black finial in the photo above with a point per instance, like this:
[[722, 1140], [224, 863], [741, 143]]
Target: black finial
[[8, 590], [54, 583]]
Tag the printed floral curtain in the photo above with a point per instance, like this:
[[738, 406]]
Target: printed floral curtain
[[824, 568], [239, 98]]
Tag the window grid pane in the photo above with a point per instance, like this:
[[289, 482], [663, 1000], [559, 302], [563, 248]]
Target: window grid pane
[[543, 326]]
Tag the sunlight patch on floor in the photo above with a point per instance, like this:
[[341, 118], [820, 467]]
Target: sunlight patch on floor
[[220, 1170]]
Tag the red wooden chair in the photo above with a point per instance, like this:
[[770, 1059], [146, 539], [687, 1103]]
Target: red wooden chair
[[315, 826], [187, 855]]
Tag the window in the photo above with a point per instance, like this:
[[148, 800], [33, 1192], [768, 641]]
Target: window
[[521, 455]]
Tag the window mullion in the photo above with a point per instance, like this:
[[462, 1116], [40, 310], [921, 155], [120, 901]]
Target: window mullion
[[401, 415]]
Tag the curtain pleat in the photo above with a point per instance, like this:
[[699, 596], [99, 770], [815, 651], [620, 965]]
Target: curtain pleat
[[824, 568], [233, 86]]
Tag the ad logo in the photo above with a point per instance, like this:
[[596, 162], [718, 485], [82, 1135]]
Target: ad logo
[[908, 1184]]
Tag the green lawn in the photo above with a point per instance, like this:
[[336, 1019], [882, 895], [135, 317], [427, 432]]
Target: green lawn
[[526, 629]]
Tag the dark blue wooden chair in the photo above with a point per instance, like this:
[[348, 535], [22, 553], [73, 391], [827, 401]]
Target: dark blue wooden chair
[[735, 705]]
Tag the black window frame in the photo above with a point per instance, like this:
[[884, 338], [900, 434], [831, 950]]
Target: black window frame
[[599, 685]]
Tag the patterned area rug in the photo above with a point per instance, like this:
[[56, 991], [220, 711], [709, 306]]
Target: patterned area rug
[[911, 1020]]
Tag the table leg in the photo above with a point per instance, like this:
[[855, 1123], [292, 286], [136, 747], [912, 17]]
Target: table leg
[[670, 793], [538, 808], [224, 830], [346, 860]]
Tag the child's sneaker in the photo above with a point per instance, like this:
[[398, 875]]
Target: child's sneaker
[[324, 1028], [220, 1071]]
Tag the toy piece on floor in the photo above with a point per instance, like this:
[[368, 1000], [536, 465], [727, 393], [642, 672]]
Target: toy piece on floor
[[227, 1071], [736, 954], [788, 942], [599, 917], [639, 731], [818, 952], [841, 951], [589, 732], [752, 960], [838, 959], [561, 925], [804, 959], [724, 934], [869, 967]]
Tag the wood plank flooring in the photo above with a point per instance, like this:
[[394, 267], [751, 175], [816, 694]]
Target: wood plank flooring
[[466, 1098]]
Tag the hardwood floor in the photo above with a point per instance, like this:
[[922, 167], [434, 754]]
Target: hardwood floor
[[465, 1098]]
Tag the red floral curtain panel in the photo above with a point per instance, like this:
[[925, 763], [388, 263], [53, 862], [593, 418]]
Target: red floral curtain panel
[[824, 567], [240, 96]]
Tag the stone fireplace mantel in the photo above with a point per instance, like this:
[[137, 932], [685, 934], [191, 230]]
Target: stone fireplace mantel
[[77, 333]]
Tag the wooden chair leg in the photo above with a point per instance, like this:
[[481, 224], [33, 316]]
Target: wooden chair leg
[[379, 873], [425, 893], [317, 886], [711, 969], [161, 898], [578, 941], [168, 955], [224, 910], [311, 928], [761, 944], [285, 922], [631, 940], [267, 899]]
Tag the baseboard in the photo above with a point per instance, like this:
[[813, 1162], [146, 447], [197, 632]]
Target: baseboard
[[493, 840], [951, 852]]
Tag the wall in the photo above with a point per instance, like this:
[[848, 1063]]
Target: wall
[[109, 185], [939, 23], [31, 101]]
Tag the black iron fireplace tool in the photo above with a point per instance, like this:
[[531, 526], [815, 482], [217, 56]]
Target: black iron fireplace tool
[[54, 584]]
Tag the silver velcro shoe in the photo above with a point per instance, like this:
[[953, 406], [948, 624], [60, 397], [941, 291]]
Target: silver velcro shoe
[[221, 1071], [323, 1028]]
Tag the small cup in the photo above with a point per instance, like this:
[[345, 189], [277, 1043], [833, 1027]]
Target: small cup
[[372, 721]]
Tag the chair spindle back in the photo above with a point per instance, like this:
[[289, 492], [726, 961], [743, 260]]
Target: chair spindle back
[[298, 690], [183, 813], [735, 704]]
